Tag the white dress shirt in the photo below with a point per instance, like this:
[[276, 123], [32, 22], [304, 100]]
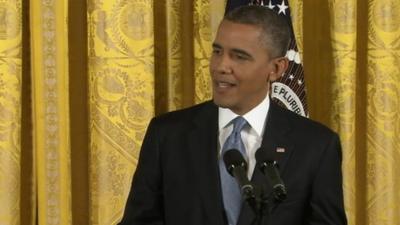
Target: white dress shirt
[[251, 135]]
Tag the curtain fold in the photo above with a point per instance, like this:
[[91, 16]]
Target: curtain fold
[[79, 110], [383, 112], [50, 101], [206, 18], [145, 58], [121, 98], [10, 111], [343, 30], [296, 10], [172, 35]]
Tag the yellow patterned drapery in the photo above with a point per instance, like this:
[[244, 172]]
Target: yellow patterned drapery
[[50, 106], [121, 80], [343, 88], [206, 22], [353, 78], [383, 113], [79, 82], [138, 68], [10, 110]]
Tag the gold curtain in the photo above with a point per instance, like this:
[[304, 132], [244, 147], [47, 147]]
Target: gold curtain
[[352, 72], [383, 113], [50, 106], [145, 58], [121, 80], [10, 110], [79, 82]]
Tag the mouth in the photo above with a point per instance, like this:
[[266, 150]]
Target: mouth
[[222, 85]]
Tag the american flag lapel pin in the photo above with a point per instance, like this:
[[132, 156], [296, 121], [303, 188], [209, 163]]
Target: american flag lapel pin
[[280, 150]]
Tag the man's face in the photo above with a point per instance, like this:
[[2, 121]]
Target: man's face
[[240, 67]]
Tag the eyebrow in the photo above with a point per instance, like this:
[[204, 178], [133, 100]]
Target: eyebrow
[[235, 50], [242, 52], [215, 45]]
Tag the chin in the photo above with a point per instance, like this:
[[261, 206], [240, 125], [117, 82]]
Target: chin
[[222, 104]]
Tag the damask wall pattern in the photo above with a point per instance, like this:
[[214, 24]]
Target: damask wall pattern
[[344, 75], [50, 102], [147, 57], [121, 98], [383, 113], [10, 111], [207, 15]]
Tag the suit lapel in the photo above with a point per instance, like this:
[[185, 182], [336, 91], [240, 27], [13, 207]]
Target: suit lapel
[[203, 141], [275, 140]]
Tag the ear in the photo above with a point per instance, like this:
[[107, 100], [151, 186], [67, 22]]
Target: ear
[[279, 66]]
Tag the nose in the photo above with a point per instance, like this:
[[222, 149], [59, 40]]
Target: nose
[[223, 64]]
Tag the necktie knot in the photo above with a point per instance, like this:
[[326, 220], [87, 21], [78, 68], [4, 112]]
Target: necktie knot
[[234, 140], [238, 124]]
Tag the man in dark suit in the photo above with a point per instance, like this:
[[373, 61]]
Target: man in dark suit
[[178, 177]]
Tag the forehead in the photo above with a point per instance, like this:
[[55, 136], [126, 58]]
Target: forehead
[[237, 32]]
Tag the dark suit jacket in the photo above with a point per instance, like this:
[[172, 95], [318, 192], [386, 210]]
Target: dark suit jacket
[[177, 178]]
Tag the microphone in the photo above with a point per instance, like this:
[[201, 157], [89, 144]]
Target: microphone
[[269, 168], [237, 167]]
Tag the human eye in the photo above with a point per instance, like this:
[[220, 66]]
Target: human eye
[[216, 51], [241, 56]]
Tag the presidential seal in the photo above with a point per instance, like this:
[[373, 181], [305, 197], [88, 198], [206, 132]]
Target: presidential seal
[[287, 97]]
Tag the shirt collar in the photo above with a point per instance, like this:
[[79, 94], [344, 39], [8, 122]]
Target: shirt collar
[[255, 117]]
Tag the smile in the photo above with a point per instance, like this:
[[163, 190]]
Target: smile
[[224, 84]]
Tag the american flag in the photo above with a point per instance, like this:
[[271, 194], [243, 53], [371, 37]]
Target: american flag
[[290, 90]]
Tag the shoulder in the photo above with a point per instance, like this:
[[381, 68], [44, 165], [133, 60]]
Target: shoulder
[[312, 140], [303, 126], [187, 115]]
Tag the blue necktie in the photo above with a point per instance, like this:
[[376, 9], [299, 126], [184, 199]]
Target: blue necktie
[[230, 188]]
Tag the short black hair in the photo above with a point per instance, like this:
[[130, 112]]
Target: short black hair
[[276, 33]]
